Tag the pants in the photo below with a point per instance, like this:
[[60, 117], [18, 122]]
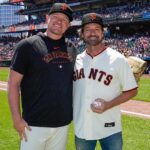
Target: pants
[[113, 142], [41, 138]]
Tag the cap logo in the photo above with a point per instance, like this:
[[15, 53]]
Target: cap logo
[[93, 16], [64, 7]]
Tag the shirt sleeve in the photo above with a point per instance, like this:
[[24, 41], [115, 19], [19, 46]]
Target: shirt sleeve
[[126, 76], [21, 58]]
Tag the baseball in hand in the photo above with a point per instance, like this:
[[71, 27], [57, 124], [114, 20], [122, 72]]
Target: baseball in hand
[[96, 104]]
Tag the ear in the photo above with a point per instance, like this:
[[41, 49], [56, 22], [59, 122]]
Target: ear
[[47, 17], [69, 25], [103, 35], [81, 34]]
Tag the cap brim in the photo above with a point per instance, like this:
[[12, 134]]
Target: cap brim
[[92, 22]]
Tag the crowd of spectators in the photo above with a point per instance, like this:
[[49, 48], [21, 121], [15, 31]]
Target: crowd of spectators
[[7, 39], [7, 45], [136, 45], [6, 51]]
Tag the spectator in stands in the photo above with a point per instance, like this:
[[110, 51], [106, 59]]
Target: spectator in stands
[[102, 80], [148, 69], [42, 69]]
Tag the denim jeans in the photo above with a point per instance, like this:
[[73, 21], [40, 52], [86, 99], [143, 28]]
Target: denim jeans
[[113, 142]]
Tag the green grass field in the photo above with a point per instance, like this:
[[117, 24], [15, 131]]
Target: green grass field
[[144, 90], [4, 74], [136, 131]]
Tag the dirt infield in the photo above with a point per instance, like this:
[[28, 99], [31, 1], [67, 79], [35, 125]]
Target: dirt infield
[[146, 75], [136, 108]]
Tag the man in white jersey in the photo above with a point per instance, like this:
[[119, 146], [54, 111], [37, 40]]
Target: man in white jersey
[[103, 80]]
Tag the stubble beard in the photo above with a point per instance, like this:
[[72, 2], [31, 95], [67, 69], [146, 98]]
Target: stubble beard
[[93, 40]]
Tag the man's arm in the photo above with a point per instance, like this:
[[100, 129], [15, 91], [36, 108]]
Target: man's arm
[[14, 81], [105, 105]]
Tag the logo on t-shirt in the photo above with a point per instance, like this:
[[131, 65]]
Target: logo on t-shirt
[[64, 57]]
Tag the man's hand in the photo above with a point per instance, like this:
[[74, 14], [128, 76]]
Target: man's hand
[[20, 125], [99, 105]]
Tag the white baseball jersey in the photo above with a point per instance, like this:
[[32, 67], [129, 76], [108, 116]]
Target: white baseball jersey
[[103, 76]]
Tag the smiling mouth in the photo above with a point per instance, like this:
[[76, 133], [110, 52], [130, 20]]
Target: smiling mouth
[[56, 25], [92, 38]]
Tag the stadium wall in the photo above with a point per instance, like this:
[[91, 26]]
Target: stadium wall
[[5, 63]]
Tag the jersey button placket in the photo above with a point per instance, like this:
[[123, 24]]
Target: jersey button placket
[[88, 99]]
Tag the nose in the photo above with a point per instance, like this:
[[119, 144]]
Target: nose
[[59, 20], [93, 32]]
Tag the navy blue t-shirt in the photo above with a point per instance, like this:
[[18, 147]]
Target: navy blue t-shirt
[[46, 87]]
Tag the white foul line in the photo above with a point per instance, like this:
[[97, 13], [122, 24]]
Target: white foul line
[[4, 89], [3, 84], [134, 113]]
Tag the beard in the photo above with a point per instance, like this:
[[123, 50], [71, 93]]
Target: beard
[[93, 40]]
